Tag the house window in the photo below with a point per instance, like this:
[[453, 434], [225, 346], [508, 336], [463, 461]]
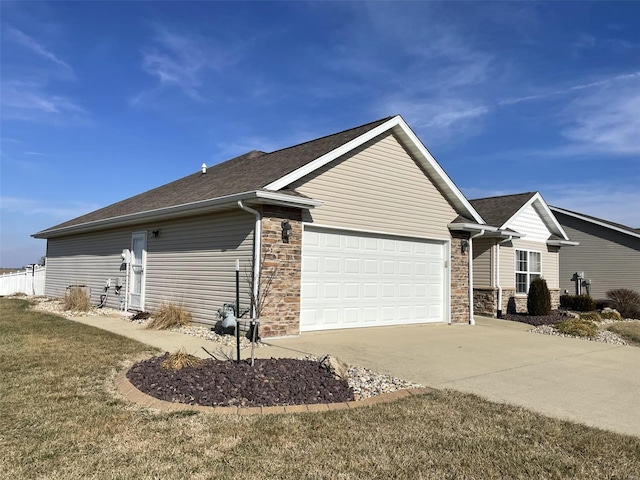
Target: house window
[[528, 267]]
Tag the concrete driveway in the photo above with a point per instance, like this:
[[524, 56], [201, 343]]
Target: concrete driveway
[[589, 382]]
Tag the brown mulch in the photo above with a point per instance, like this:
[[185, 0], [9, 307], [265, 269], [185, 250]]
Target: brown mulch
[[270, 382]]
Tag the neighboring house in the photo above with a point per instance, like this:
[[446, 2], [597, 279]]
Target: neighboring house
[[608, 255], [526, 246], [359, 228]]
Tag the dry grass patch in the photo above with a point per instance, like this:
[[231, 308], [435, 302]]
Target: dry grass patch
[[76, 299], [59, 421], [180, 359], [630, 331], [169, 315]]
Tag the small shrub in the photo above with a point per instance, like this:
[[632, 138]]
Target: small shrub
[[591, 316], [180, 359], [76, 299], [627, 302], [169, 315], [577, 327], [539, 298], [611, 314], [579, 303]]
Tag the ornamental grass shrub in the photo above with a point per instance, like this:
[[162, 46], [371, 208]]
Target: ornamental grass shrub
[[577, 327], [611, 314], [76, 299], [578, 303], [591, 316], [180, 359], [627, 302], [539, 298], [169, 315]]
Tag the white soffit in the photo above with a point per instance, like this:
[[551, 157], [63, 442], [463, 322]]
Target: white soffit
[[411, 143]]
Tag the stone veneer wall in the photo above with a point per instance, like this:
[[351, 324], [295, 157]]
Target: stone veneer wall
[[485, 301], [512, 303], [280, 315], [459, 279]]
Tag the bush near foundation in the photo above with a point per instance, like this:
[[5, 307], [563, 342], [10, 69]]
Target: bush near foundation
[[578, 303], [539, 298], [627, 302]]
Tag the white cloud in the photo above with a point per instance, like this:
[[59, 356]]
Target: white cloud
[[30, 101], [606, 120], [36, 47], [182, 61]]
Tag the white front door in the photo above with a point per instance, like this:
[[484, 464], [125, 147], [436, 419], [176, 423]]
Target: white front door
[[138, 261], [353, 279]]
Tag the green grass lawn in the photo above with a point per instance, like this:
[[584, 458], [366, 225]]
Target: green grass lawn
[[61, 418]]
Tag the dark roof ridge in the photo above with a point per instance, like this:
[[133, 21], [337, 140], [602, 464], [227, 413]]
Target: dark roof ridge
[[503, 196]]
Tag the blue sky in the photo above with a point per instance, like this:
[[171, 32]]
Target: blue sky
[[104, 100]]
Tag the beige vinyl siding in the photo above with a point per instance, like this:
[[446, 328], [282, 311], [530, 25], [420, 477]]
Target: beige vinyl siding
[[549, 258], [608, 258], [191, 262], [378, 187], [482, 262]]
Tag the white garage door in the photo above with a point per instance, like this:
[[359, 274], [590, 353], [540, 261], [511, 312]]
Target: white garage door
[[357, 280]]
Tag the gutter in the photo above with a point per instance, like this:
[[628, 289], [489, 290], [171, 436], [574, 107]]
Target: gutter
[[499, 309], [471, 319], [257, 246], [201, 206]]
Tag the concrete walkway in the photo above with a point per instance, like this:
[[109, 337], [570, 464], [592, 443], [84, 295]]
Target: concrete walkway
[[589, 382]]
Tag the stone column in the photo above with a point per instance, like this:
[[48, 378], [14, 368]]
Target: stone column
[[459, 279], [281, 264]]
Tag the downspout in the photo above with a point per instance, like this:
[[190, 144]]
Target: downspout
[[257, 245], [471, 319], [499, 310]]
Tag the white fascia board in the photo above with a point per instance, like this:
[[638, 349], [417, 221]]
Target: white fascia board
[[201, 206], [562, 243], [472, 227], [284, 199], [416, 147], [595, 222], [549, 219]]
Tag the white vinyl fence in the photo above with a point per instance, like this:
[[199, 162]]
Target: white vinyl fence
[[29, 281]]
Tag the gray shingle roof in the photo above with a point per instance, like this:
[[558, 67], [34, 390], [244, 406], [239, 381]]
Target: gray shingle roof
[[497, 210], [248, 172], [601, 220]]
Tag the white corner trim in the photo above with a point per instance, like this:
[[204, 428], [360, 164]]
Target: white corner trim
[[538, 198], [595, 222]]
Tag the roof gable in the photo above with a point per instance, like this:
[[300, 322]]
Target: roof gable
[[506, 212]]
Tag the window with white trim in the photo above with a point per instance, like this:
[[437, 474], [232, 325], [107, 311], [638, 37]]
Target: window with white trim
[[528, 267]]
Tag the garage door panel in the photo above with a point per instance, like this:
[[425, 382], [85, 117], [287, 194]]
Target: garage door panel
[[351, 279]]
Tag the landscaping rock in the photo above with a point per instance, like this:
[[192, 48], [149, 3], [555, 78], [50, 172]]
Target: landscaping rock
[[336, 367]]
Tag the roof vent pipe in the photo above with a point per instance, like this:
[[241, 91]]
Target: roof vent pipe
[[204, 168]]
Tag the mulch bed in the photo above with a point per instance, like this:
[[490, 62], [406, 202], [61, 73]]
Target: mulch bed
[[269, 382], [554, 317]]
